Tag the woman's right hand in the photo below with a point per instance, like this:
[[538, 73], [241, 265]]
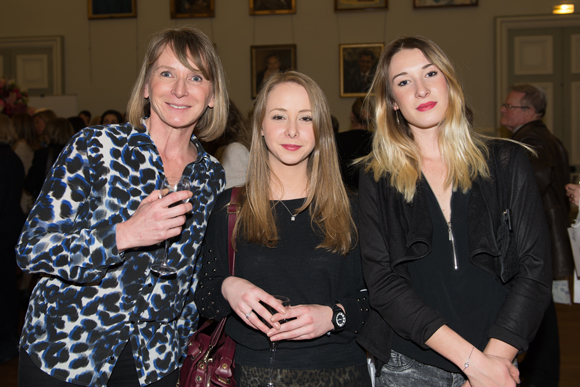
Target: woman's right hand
[[154, 220], [244, 298], [573, 193], [490, 371]]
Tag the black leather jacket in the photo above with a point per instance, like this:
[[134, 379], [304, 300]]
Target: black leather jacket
[[393, 232], [552, 173]]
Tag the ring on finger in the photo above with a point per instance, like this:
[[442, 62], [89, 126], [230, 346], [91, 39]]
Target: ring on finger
[[248, 314]]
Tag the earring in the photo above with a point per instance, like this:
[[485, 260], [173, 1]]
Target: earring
[[397, 115]]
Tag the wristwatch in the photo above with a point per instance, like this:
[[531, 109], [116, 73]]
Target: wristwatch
[[338, 318]]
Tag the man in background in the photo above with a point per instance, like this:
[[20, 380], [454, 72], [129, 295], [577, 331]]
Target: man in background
[[522, 114]]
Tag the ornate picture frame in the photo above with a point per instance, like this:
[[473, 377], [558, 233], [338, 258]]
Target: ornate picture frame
[[444, 3], [272, 7], [187, 9], [360, 5], [268, 59], [102, 9], [358, 63]]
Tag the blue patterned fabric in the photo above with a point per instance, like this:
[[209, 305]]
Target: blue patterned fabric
[[92, 300]]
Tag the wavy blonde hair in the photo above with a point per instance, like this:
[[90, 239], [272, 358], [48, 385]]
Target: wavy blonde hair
[[395, 152], [187, 43], [327, 200]]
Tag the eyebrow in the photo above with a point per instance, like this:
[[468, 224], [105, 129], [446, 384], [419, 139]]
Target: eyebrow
[[284, 110], [405, 73]]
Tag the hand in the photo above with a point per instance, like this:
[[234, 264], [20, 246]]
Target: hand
[[244, 298], [311, 321], [488, 370], [573, 193], [154, 220]]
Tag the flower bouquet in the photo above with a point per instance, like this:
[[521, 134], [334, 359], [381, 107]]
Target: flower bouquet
[[12, 98]]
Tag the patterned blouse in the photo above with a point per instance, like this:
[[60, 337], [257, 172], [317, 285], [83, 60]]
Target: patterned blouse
[[92, 300]]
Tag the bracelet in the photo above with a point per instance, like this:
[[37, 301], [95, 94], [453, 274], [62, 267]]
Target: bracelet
[[469, 358]]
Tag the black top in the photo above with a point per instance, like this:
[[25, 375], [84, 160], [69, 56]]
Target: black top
[[467, 297], [351, 145], [295, 269]]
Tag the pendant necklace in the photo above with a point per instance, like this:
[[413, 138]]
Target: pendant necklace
[[292, 215]]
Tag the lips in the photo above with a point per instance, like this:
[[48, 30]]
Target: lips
[[180, 107], [291, 147], [426, 106]]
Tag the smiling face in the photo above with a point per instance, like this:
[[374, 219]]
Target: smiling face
[[178, 95], [287, 127], [419, 89]]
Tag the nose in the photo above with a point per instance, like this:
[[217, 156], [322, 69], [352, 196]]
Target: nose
[[422, 90], [502, 109], [180, 88], [292, 129]]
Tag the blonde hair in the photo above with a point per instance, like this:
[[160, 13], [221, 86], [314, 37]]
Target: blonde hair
[[327, 200], [394, 150], [188, 44]]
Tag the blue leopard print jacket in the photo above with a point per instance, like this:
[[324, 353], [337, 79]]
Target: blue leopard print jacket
[[91, 300]]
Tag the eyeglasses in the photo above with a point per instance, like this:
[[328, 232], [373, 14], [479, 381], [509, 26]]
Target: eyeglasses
[[510, 107]]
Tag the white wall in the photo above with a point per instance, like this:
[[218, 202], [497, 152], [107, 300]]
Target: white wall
[[102, 57]]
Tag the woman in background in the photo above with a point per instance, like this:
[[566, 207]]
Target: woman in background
[[296, 238], [455, 247], [41, 118], [111, 117]]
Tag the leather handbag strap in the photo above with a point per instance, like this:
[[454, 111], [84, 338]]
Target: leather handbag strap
[[232, 217]]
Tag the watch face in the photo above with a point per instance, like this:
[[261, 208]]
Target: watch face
[[340, 319]]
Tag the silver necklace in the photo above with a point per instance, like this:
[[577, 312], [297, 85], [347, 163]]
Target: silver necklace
[[292, 215]]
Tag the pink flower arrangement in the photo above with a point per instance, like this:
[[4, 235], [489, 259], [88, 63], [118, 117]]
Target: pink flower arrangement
[[12, 99]]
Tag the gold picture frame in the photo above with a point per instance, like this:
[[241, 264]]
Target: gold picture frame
[[271, 58], [360, 5], [186, 9], [272, 7], [104, 9], [358, 63]]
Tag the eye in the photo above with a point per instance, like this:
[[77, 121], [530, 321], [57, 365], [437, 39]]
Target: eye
[[277, 117], [431, 73], [307, 118], [197, 78], [403, 83], [165, 74]]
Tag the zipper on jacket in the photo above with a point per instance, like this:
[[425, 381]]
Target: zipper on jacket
[[452, 245]]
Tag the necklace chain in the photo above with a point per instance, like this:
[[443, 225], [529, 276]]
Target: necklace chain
[[292, 215]]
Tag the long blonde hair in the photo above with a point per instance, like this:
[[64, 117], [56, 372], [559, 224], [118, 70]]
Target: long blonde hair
[[187, 43], [394, 150], [327, 200]]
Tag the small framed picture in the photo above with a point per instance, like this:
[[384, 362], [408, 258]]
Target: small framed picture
[[268, 60], [192, 8], [443, 3], [272, 7], [358, 63], [360, 5], [104, 9]]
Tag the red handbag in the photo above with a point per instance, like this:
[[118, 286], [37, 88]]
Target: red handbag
[[210, 355]]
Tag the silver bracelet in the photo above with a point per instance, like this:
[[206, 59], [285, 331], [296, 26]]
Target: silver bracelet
[[469, 358]]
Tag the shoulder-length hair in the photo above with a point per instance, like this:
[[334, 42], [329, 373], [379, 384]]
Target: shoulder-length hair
[[59, 131], [189, 45], [394, 149], [327, 200], [24, 125]]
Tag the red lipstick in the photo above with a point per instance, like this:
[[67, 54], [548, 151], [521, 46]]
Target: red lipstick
[[291, 147], [426, 106]]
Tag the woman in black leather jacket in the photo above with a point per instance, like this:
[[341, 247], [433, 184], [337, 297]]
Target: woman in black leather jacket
[[455, 246]]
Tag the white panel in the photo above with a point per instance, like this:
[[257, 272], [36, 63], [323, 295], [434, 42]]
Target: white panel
[[548, 88], [575, 50], [32, 71], [533, 55], [575, 125]]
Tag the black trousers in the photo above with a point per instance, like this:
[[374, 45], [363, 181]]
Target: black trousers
[[124, 374], [541, 365]]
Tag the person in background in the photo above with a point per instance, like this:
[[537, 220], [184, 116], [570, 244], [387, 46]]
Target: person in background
[[522, 114], [355, 143], [111, 117], [77, 123], [86, 116], [58, 132], [296, 238], [454, 244], [234, 147], [100, 316], [11, 221], [41, 118]]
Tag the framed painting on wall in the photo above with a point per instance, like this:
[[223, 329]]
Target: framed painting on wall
[[360, 5], [190, 8], [358, 63], [272, 7], [104, 9], [443, 3], [268, 60]]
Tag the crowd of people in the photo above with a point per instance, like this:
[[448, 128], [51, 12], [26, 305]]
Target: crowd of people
[[411, 250]]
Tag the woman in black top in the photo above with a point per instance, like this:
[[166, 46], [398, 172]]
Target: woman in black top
[[454, 244], [295, 238]]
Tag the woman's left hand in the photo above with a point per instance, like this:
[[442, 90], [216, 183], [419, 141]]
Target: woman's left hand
[[310, 321], [573, 192]]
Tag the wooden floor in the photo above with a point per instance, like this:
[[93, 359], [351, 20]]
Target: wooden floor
[[568, 322]]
